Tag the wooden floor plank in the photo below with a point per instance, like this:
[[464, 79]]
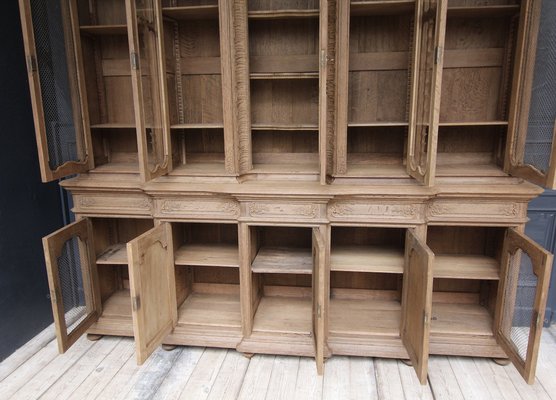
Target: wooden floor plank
[[105, 371], [78, 373], [48, 375], [308, 384], [336, 379], [26, 352], [175, 381], [412, 388], [546, 367], [389, 382], [442, 379], [204, 375], [362, 379], [469, 378], [283, 378], [497, 380], [229, 379], [255, 381]]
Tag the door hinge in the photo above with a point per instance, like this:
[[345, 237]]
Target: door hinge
[[135, 303], [134, 61], [319, 313], [437, 54], [31, 64], [425, 318], [323, 58], [53, 297]]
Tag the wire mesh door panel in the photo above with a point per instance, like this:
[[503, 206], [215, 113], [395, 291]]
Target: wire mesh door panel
[[524, 289], [72, 280], [51, 50]]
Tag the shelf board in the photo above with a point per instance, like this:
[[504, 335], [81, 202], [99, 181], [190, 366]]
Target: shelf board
[[113, 126], [283, 260], [450, 319], [294, 169], [211, 309], [364, 318], [191, 12], [384, 7], [367, 259], [284, 127], [466, 267], [475, 123], [198, 126], [483, 11], [114, 255], [116, 316], [284, 14], [469, 170], [284, 315], [104, 29], [117, 168], [200, 169], [284, 75], [376, 124], [376, 171], [210, 255]]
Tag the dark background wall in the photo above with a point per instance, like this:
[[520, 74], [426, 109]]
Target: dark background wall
[[29, 209]]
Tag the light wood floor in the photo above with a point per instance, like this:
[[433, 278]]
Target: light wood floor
[[107, 370]]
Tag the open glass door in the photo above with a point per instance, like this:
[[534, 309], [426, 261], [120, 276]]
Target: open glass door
[[149, 87], [52, 49], [319, 265], [72, 278], [417, 302], [520, 310], [426, 77], [152, 288]]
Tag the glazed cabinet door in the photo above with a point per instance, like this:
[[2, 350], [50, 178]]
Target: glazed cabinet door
[[149, 87], [73, 281], [520, 308], [152, 288], [319, 265], [52, 49], [426, 78], [417, 302]]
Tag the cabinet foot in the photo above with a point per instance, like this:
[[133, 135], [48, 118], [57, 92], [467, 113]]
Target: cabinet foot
[[248, 355], [93, 338], [168, 347], [502, 361], [407, 362]]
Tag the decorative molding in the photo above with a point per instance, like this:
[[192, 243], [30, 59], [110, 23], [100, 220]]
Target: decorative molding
[[199, 208], [364, 210], [474, 210], [280, 210], [140, 204]]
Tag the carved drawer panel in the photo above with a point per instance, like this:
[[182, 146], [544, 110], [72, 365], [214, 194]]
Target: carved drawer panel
[[280, 211], [113, 204], [197, 208], [354, 211], [478, 211]]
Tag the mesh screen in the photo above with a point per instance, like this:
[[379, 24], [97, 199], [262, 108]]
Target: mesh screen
[[523, 305], [71, 282], [543, 102], [56, 80]]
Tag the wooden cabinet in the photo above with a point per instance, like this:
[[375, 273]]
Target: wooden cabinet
[[312, 178]]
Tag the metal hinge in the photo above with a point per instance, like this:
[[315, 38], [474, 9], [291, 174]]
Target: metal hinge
[[425, 318], [134, 61], [31, 64], [318, 311], [437, 54], [135, 303], [53, 297]]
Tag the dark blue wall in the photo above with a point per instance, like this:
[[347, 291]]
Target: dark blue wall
[[29, 209]]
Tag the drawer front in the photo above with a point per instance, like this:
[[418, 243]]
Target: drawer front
[[279, 211], [388, 212], [197, 209], [477, 211], [113, 205]]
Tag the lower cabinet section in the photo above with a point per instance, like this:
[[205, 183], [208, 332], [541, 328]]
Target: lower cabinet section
[[315, 290]]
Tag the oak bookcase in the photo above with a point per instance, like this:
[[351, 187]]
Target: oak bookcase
[[314, 178]]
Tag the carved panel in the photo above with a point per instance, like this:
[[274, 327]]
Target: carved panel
[[120, 205], [284, 212], [373, 211], [197, 208], [478, 211]]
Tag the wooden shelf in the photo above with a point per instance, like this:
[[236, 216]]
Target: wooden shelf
[[294, 169], [376, 124], [385, 7], [284, 75], [284, 127], [191, 12], [116, 316], [483, 11], [466, 267], [284, 315], [211, 255], [283, 260], [364, 317], [475, 123], [452, 319], [211, 309], [113, 126], [104, 29], [469, 170], [198, 126], [377, 171], [117, 168], [367, 259], [114, 255], [283, 14], [200, 169]]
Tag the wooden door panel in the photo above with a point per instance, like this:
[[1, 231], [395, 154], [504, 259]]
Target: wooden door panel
[[73, 281], [319, 264], [52, 50], [518, 327], [152, 288], [417, 303]]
